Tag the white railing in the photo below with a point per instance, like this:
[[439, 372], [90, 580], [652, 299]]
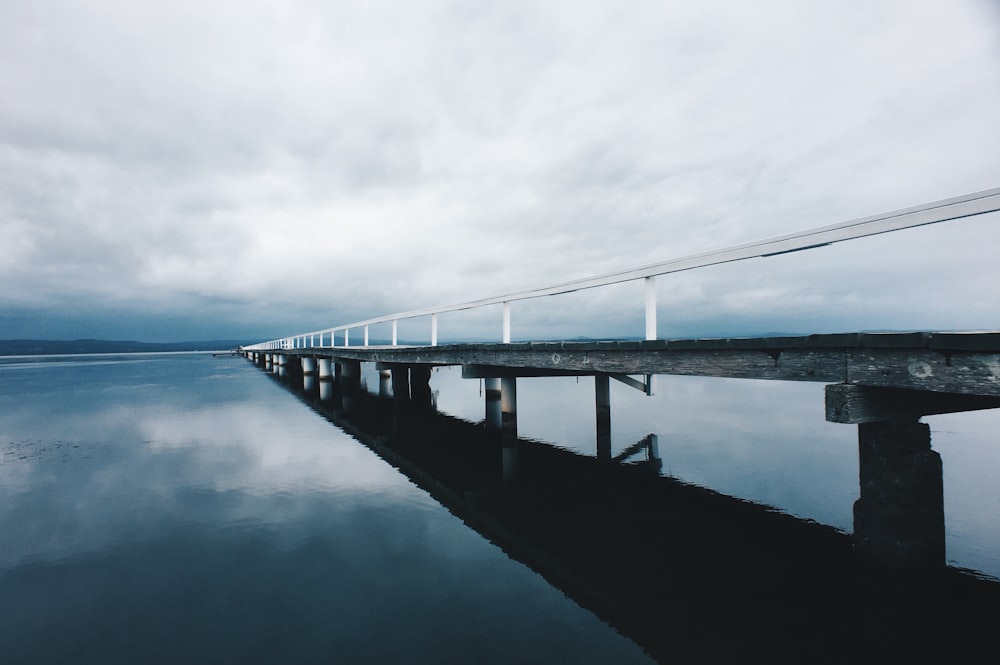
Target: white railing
[[958, 207]]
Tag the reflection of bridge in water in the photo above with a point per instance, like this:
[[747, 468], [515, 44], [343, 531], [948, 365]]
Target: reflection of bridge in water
[[689, 574]]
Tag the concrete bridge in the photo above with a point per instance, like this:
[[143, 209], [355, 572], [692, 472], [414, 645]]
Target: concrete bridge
[[881, 382]]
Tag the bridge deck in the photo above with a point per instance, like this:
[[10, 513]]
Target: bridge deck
[[966, 363]]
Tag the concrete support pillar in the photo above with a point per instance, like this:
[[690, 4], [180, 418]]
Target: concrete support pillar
[[326, 389], [602, 403], [401, 384], [899, 517], [268, 361], [493, 418], [349, 381], [350, 374], [308, 366], [400, 380], [384, 383], [325, 368], [420, 387], [508, 406]]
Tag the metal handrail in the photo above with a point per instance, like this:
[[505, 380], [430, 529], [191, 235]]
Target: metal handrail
[[958, 207]]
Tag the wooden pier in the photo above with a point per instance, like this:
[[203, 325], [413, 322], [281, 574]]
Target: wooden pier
[[874, 376], [881, 382]]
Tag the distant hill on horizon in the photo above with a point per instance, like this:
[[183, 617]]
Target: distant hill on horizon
[[35, 347]]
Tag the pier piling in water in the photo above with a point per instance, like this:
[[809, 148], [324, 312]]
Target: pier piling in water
[[899, 517]]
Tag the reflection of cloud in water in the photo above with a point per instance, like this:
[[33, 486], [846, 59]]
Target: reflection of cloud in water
[[158, 465], [277, 452]]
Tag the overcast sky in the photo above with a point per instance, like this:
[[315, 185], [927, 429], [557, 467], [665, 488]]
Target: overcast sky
[[192, 170]]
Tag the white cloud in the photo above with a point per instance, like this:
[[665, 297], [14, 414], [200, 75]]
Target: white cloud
[[360, 158]]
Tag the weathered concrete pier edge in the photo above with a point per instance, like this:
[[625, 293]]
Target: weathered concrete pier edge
[[882, 382]]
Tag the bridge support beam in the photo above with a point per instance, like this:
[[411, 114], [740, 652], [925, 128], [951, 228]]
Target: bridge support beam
[[494, 421], [899, 517], [420, 387], [602, 404], [501, 422], [325, 389], [848, 403], [350, 381], [401, 383], [325, 368], [308, 366], [385, 383], [508, 407]]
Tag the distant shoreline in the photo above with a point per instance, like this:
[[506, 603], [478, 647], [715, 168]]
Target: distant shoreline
[[43, 347]]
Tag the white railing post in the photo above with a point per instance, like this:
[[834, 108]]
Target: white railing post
[[347, 337], [366, 335], [395, 330], [651, 307], [506, 322], [434, 329]]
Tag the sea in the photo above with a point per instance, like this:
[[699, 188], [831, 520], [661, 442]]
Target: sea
[[189, 508]]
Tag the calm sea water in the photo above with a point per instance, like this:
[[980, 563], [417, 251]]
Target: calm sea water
[[185, 508]]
